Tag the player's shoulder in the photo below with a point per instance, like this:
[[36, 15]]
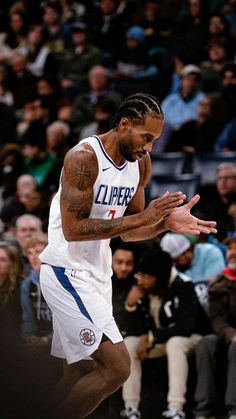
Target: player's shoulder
[[81, 152]]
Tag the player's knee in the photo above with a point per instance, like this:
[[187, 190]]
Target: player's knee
[[120, 372]]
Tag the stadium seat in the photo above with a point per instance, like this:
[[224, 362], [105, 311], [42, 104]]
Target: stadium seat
[[168, 163], [205, 165], [187, 183]]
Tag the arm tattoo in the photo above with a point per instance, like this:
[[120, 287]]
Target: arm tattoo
[[94, 227], [80, 176]]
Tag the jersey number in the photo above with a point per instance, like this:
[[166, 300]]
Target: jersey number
[[111, 214]]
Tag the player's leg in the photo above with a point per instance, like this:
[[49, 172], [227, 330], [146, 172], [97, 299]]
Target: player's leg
[[111, 371]]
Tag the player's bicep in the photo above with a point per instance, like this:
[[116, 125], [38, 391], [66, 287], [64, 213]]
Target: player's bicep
[[79, 175], [137, 203]]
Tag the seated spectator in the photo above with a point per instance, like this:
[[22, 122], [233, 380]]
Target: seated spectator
[[99, 87], [232, 214], [36, 328], [5, 95], [107, 27], [134, 65], [218, 53], [41, 61], [16, 206], [14, 40], [215, 351], [104, 110], [174, 330], [190, 30], [200, 135], [216, 208], [228, 90], [11, 274], [26, 226], [78, 61], [36, 316], [181, 107], [11, 167], [124, 260], [44, 163], [22, 83], [226, 141], [58, 37], [202, 261], [7, 124]]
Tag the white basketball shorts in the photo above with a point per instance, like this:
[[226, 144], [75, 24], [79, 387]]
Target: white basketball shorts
[[81, 314]]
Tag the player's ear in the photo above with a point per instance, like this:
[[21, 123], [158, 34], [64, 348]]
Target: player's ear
[[124, 124]]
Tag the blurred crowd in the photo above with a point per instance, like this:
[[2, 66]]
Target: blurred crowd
[[65, 66]]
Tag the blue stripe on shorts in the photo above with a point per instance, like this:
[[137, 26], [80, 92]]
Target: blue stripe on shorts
[[64, 281]]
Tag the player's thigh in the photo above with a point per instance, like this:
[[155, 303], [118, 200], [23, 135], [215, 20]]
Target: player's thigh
[[73, 372]]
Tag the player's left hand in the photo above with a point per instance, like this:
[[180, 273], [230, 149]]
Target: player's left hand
[[180, 220]]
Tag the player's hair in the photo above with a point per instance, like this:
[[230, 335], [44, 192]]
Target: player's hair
[[137, 107]]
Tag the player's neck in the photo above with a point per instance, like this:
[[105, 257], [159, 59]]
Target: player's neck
[[110, 141]]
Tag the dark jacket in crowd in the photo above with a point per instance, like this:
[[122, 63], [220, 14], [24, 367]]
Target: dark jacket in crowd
[[222, 307]]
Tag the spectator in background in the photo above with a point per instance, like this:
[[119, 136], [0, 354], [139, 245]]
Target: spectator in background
[[226, 141], [200, 135], [78, 61], [5, 95], [190, 32], [36, 328], [228, 90], [181, 107], [135, 68], [217, 206], [107, 29], [11, 167], [174, 329], [216, 354], [44, 162], [15, 37], [218, 25], [104, 110], [202, 261], [99, 87], [7, 124], [16, 206], [11, 273], [124, 260], [26, 226], [232, 214], [41, 61], [36, 316], [218, 54], [22, 83], [58, 37]]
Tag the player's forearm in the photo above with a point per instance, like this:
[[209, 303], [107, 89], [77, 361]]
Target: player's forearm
[[97, 229], [144, 232]]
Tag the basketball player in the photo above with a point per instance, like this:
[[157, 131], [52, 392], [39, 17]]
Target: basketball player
[[103, 179]]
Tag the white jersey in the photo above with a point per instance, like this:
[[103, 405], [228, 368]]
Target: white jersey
[[112, 191]]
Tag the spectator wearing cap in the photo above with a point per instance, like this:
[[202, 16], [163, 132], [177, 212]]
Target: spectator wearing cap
[[216, 353], [78, 61], [175, 327], [202, 261], [180, 107], [134, 65]]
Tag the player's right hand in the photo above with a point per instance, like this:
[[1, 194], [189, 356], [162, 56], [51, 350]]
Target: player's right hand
[[160, 207]]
